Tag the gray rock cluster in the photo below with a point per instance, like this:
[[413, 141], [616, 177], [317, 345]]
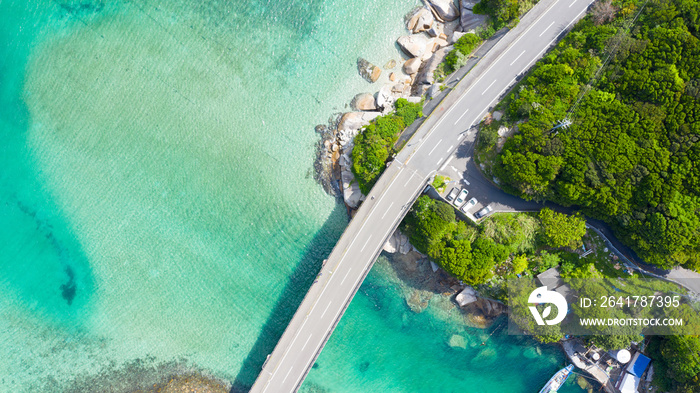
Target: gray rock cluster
[[432, 29], [398, 242]]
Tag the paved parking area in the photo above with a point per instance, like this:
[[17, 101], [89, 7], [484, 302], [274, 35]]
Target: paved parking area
[[463, 172]]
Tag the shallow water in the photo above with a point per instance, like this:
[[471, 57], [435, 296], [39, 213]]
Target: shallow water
[[380, 345], [156, 192]]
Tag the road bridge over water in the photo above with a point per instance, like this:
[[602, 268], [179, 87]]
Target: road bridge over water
[[450, 124]]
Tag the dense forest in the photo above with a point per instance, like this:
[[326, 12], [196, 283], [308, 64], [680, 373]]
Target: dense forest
[[631, 156], [676, 363]]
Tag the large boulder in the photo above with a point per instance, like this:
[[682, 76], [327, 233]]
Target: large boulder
[[456, 36], [434, 91], [368, 70], [391, 246], [346, 136], [352, 195], [444, 10], [411, 66], [467, 296], [403, 244], [356, 120], [421, 20], [413, 45], [414, 99], [351, 190], [470, 21], [363, 102], [384, 97], [425, 77], [467, 4]]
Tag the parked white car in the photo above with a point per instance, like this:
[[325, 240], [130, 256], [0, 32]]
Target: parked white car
[[468, 205], [453, 193], [484, 212], [459, 201]]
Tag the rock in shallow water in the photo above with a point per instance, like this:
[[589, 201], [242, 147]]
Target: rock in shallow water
[[457, 341], [363, 102], [368, 70]]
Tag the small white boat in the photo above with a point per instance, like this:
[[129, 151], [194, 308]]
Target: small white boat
[[557, 380]]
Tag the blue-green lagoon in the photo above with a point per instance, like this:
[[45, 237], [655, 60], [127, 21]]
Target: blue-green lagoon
[[159, 212]]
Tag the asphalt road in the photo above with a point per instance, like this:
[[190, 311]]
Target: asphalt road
[[448, 126]]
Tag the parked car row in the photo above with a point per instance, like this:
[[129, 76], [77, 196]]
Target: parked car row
[[458, 198]]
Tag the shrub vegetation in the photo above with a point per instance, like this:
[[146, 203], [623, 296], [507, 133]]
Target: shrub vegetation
[[374, 145], [503, 12], [459, 55], [509, 244]]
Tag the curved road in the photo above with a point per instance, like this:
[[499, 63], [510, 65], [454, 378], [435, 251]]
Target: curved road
[[434, 142]]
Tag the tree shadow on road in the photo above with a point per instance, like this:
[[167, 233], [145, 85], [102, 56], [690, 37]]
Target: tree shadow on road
[[465, 150]]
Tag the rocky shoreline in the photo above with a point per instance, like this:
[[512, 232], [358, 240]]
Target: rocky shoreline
[[422, 283], [431, 32]]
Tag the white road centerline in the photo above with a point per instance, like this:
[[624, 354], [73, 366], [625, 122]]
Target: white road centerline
[[360, 278], [363, 247], [409, 180], [327, 307], [516, 59], [296, 336], [307, 341], [450, 148], [545, 30], [460, 118], [436, 145], [446, 162], [287, 376], [346, 276], [368, 218], [572, 3], [387, 210], [487, 89]]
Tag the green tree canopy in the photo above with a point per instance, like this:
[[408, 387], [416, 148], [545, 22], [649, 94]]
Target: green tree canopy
[[560, 230]]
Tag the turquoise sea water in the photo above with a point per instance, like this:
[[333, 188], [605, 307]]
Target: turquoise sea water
[[380, 345], [156, 192]]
